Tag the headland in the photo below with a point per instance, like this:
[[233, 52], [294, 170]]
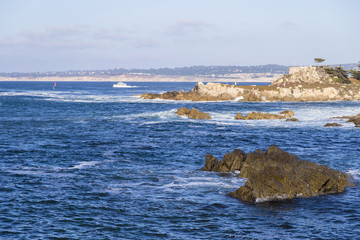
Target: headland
[[302, 84]]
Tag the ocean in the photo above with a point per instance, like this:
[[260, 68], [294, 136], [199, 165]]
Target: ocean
[[89, 161]]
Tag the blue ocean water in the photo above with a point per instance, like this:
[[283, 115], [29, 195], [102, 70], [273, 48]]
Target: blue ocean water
[[88, 161]]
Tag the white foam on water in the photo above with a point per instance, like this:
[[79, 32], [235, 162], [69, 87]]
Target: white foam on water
[[274, 198], [204, 182], [74, 96], [308, 116], [84, 164], [40, 171], [161, 115], [355, 173]]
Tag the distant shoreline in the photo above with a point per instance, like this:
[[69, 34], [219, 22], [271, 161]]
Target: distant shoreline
[[127, 78]]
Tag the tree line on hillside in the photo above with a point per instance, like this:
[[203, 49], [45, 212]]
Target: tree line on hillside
[[180, 71]]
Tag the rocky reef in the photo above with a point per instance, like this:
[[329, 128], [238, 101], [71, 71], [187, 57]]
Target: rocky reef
[[278, 175], [193, 113], [332, 125], [354, 119], [261, 116], [301, 84]]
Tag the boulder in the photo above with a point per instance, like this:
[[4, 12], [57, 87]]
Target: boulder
[[193, 113], [278, 175]]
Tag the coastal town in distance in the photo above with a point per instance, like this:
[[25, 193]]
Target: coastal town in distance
[[259, 73]]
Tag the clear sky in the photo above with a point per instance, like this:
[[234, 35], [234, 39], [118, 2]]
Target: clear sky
[[45, 35]]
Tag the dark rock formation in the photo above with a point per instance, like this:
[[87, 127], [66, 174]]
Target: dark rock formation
[[292, 120], [355, 119], [332, 125], [231, 162], [260, 116], [193, 113], [278, 175]]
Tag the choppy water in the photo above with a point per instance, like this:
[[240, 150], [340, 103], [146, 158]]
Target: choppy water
[[86, 161]]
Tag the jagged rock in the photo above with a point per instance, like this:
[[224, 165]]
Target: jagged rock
[[193, 113], [332, 125], [292, 120], [210, 163], [259, 115], [231, 162], [278, 175]]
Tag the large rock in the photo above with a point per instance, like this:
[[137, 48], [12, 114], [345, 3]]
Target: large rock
[[278, 175], [193, 113]]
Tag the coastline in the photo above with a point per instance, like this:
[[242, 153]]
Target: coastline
[[130, 78]]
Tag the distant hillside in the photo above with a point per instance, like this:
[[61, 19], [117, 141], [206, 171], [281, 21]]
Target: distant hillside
[[197, 71], [179, 71]]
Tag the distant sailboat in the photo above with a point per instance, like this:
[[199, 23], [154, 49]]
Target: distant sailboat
[[54, 85]]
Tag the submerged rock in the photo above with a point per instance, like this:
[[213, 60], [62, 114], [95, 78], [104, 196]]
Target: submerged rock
[[354, 119], [332, 125], [260, 116], [292, 120], [278, 175], [193, 113]]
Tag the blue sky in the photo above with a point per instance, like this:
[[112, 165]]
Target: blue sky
[[43, 35]]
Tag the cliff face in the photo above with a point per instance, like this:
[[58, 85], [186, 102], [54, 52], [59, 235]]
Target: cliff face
[[301, 84]]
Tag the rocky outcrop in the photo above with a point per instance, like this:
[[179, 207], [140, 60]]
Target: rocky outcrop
[[193, 113], [302, 84], [260, 116], [278, 175], [355, 119], [292, 120], [332, 125]]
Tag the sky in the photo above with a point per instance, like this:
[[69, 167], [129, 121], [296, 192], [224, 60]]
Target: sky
[[60, 35]]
